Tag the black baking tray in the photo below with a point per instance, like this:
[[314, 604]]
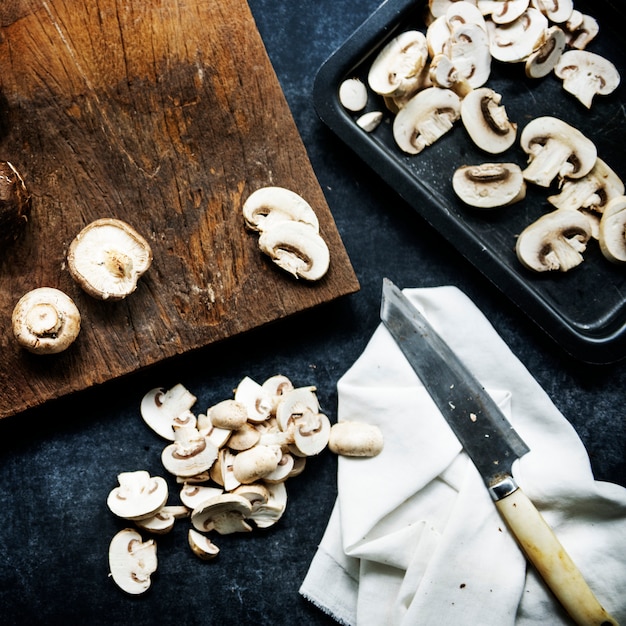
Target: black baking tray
[[583, 310]]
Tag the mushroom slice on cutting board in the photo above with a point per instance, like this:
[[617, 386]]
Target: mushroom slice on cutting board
[[489, 185], [612, 236], [555, 149], [486, 120], [107, 258], [132, 561], [586, 74], [427, 116], [554, 242]]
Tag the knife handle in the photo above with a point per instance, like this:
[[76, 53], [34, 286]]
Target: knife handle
[[546, 553]]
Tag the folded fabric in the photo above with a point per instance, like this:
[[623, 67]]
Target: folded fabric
[[414, 537]]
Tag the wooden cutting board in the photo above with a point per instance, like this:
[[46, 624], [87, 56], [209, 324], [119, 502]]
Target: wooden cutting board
[[166, 114]]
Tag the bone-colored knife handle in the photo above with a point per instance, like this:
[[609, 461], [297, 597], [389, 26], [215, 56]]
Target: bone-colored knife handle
[[546, 553]]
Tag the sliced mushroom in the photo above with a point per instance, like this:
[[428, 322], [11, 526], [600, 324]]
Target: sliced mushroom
[[224, 514], [429, 115], [554, 242], [217, 436], [163, 410], [296, 248], [107, 258], [269, 513], [593, 191], [486, 120], [586, 74], [353, 94], [276, 387], [612, 236], [370, 121], [201, 545], [283, 471], [139, 495], [163, 520], [557, 11], [515, 41], [15, 204], [489, 185], [443, 73], [190, 454], [267, 205], [555, 149], [295, 403], [580, 30], [45, 321], [311, 433], [259, 405], [502, 11], [132, 561], [355, 439], [397, 69], [469, 52], [459, 14], [191, 495], [543, 60]]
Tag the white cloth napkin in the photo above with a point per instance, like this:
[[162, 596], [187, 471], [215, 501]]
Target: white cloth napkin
[[414, 537]]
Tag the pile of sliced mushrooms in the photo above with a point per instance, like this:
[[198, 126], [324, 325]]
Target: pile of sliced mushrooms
[[429, 80], [230, 464]]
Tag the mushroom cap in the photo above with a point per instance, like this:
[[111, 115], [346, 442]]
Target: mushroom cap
[[586, 74], [543, 60], [163, 410], [244, 437], [15, 204], [139, 495], [267, 205], [397, 68], [426, 117], [486, 120], [45, 321], [358, 439], [190, 454], [489, 185], [515, 41], [555, 149], [132, 561], [225, 514], [612, 235], [228, 414], [253, 464], [555, 241], [107, 258], [296, 248]]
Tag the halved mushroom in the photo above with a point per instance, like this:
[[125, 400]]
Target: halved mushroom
[[586, 74], [555, 149], [107, 259], [190, 454], [612, 236], [295, 403], [311, 433], [398, 68], [296, 248], [543, 60], [502, 11], [469, 52], [276, 387], [515, 41], [557, 11], [259, 405], [15, 204], [353, 94], [132, 561], [580, 30], [486, 120], [554, 242], [224, 514], [427, 116], [45, 321], [593, 191], [139, 495], [191, 495], [201, 545], [355, 439], [268, 205], [163, 520], [163, 410], [489, 185]]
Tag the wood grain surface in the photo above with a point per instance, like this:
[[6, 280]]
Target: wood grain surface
[[166, 114]]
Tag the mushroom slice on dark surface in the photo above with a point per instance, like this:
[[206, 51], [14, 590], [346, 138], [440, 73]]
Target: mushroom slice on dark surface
[[428, 116], [138, 496], [586, 74], [489, 185], [502, 11], [191, 453], [225, 514], [554, 242], [555, 149], [612, 236], [557, 11], [486, 120], [201, 545], [543, 60], [580, 30], [515, 41], [132, 561], [107, 258], [45, 321], [162, 410]]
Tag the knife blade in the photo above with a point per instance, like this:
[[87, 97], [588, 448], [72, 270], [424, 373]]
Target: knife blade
[[493, 445]]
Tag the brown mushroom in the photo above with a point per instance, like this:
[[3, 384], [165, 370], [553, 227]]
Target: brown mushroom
[[15, 204]]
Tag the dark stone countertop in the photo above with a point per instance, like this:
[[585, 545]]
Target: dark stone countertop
[[58, 463]]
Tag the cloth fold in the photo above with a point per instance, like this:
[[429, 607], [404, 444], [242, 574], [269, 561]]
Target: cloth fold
[[414, 537]]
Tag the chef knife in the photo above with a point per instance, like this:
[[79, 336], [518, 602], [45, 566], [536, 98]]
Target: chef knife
[[493, 445]]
